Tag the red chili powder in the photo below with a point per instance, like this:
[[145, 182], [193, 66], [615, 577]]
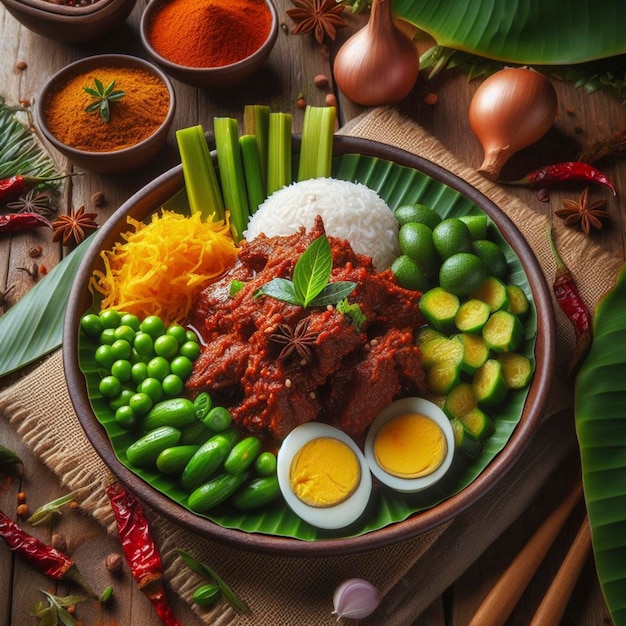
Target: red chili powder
[[210, 33]]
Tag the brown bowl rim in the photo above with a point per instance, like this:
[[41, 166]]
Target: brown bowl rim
[[164, 187], [42, 6], [219, 72], [115, 60]]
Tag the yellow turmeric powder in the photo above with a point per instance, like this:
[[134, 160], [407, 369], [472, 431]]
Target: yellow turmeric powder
[[133, 118]]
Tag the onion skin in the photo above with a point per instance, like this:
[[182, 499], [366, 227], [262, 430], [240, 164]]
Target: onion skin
[[379, 64], [511, 110], [355, 598]]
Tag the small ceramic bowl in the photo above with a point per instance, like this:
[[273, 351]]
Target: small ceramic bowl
[[114, 161], [70, 24], [211, 77]]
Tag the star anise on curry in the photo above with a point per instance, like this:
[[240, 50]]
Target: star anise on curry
[[588, 215], [75, 227], [323, 17], [295, 340]]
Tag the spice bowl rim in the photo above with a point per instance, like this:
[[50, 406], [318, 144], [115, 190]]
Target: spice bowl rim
[[90, 158], [216, 76], [64, 10]]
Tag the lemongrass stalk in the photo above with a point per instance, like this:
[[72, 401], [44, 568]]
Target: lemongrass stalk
[[316, 148], [252, 171], [230, 166], [279, 152], [201, 184], [256, 121]]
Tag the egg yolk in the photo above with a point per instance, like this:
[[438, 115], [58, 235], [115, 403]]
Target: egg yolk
[[324, 472], [410, 446]]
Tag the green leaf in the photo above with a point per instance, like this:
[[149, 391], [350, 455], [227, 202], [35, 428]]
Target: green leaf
[[104, 110], [33, 327], [353, 312], [99, 86], [45, 512], [312, 271], [109, 89], [204, 570], [601, 430], [117, 95], [333, 293], [94, 106], [8, 457], [534, 32], [281, 289], [92, 92]]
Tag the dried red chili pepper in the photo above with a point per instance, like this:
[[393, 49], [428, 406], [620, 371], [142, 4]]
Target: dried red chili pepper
[[14, 187], [559, 172], [571, 303], [44, 558], [12, 222], [140, 550]]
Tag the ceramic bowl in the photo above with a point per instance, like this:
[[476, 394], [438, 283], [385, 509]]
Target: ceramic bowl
[[209, 77], [370, 163], [117, 160], [70, 24]]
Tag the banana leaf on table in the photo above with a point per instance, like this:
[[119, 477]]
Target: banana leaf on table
[[601, 431], [534, 32]]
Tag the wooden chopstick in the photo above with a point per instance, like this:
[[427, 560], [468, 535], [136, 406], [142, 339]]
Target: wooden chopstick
[[555, 601], [500, 602]]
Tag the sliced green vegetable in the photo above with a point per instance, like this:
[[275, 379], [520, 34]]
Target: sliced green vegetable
[[255, 185], [478, 423], [203, 190], [279, 167], [256, 121], [316, 149], [489, 383], [232, 177]]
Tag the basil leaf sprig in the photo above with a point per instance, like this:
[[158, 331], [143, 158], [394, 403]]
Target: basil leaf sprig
[[310, 286], [102, 96]]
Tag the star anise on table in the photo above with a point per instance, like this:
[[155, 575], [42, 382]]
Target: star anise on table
[[75, 227], [34, 201], [323, 17], [295, 340], [588, 215]]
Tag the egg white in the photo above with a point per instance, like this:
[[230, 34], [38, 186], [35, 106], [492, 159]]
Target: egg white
[[331, 517], [400, 407]]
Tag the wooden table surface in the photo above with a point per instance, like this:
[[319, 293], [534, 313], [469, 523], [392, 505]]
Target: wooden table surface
[[582, 119]]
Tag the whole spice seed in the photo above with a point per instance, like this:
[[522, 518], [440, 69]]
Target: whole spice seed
[[140, 550], [75, 227], [571, 303], [560, 172], [113, 563], [323, 17], [44, 558], [321, 81], [589, 215]]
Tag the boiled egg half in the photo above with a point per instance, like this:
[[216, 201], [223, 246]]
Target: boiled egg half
[[323, 476], [410, 445]]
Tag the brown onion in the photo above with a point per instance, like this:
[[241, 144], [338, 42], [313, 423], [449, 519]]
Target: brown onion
[[511, 110], [379, 64]]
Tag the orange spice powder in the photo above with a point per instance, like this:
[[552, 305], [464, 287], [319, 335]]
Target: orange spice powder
[[133, 118], [210, 33]]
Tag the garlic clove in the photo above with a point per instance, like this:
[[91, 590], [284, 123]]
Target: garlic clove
[[355, 598]]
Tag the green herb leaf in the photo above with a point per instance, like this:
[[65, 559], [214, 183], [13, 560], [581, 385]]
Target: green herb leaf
[[312, 271], [281, 289], [235, 286], [103, 96], [204, 570], [353, 312], [46, 511], [56, 611], [333, 293], [8, 457]]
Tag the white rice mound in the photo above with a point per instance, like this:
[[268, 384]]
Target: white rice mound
[[349, 210]]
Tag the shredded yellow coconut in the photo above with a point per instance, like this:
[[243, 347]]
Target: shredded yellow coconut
[[162, 265]]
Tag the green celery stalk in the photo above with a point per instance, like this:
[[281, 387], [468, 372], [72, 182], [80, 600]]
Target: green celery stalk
[[230, 165], [203, 190], [256, 120], [279, 153], [252, 171], [316, 148]]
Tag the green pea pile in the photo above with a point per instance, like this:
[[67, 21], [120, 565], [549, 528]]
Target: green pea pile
[[142, 362]]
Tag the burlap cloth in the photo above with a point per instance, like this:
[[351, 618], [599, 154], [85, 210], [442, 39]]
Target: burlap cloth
[[298, 591]]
